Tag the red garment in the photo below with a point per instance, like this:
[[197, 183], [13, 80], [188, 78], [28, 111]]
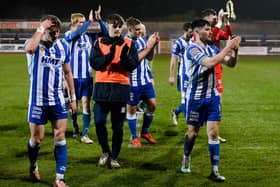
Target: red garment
[[217, 35]]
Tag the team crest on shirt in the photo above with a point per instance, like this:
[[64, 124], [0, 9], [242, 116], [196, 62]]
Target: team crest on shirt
[[42, 48], [195, 53]]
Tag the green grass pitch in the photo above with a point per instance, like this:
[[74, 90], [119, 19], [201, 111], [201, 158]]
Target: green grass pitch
[[250, 123]]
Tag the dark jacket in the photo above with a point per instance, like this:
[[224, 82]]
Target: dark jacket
[[103, 59]]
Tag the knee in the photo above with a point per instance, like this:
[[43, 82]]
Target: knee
[[131, 116], [151, 108], [59, 135], [37, 139], [213, 135], [61, 142], [86, 108], [117, 129], [99, 121], [192, 134]]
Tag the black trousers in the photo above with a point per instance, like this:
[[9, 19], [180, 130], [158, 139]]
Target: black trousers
[[118, 113]]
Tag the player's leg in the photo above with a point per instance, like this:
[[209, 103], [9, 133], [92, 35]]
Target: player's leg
[[74, 116], [135, 94], [219, 84], [118, 113], [101, 111], [181, 108], [86, 120], [222, 140], [150, 98], [213, 122], [189, 141], [37, 119], [195, 118], [60, 148], [33, 146], [87, 85], [214, 150], [132, 124], [175, 112], [182, 89], [148, 119], [59, 118]]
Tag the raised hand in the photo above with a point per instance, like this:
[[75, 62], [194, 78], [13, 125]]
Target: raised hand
[[98, 13], [153, 39], [234, 42], [90, 17], [46, 24]]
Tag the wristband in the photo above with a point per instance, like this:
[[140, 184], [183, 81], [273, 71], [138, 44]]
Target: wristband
[[233, 54], [41, 29], [73, 98]]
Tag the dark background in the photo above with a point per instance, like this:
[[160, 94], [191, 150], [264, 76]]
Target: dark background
[[146, 10]]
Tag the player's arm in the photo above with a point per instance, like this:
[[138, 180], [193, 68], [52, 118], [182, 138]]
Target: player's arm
[[98, 60], [223, 20], [129, 57], [173, 62], [77, 32], [74, 34], [151, 43], [151, 54], [103, 28], [210, 62], [224, 34], [227, 26], [230, 59], [34, 41], [69, 79]]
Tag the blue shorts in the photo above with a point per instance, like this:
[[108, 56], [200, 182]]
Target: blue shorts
[[141, 93], [182, 83], [41, 114], [83, 87], [200, 111]]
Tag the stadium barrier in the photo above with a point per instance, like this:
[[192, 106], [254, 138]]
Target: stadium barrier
[[11, 48], [14, 33], [164, 47]]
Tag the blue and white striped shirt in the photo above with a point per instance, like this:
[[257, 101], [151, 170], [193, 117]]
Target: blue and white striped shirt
[[80, 43], [178, 50], [80, 47], [45, 67], [141, 75], [202, 82]]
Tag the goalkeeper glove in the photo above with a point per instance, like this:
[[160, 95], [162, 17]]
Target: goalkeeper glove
[[220, 19]]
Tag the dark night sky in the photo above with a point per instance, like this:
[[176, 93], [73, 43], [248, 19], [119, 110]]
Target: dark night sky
[[143, 9]]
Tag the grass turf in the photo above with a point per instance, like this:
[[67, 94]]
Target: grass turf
[[250, 123]]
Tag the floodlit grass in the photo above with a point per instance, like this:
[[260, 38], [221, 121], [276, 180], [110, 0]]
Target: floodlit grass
[[250, 123]]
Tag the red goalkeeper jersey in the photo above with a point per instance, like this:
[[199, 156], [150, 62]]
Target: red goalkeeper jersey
[[217, 35]]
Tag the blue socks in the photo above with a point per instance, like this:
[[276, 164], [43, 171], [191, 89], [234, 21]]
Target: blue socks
[[86, 123], [188, 145], [214, 150], [147, 121], [60, 153], [74, 120], [132, 124], [33, 151], [180, 108]]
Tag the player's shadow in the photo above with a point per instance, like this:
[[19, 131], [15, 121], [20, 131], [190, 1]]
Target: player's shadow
[[26, 178], [171, 133]]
